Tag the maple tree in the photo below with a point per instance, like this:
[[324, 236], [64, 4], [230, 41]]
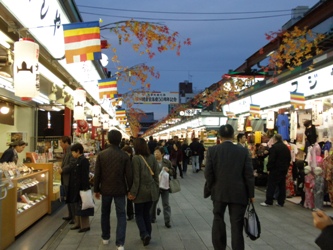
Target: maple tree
[[296, 46], [148, 39]]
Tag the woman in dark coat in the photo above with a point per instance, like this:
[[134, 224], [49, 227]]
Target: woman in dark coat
[[79, 180]]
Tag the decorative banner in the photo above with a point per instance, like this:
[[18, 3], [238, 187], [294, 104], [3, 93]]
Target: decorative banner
[[79, 103], [255, 110], [121, 116], [26, 73], [82, 42], [156, 97], [297, 100], [107, 88]]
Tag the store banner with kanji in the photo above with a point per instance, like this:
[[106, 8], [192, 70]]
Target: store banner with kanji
[[156, 97]]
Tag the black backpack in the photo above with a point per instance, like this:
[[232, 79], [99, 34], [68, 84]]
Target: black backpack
[[188, 152]]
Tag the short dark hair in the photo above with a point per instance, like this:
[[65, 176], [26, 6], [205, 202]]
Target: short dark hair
[[278, 137], [77, 147], [67, 139], [307, 123], [141, 147], [114, 137], [226, 131], [239, 136], [161, 149]]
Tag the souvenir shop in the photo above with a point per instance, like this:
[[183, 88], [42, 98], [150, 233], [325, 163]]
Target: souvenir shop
[[301, 110]]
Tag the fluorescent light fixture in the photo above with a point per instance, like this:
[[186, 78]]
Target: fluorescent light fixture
[[55, 108]]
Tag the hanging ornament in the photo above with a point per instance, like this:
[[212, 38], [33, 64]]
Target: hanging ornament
[[26, 68], [79, 103], [105, 121], [96, 115]]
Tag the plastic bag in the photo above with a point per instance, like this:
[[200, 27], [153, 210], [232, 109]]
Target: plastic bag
[[164, 180]]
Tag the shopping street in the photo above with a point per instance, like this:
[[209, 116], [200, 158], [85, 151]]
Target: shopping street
[[288, 228]]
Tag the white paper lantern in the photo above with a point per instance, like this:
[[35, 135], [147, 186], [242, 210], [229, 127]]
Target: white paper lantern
[[105, 121], [26, 70], [79, 103], [96, 115]]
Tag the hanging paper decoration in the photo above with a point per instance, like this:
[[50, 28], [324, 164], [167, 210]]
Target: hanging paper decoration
[[107, 88], [121, 116], [26, 70], [255, 110], [79, 103], [105, 121], [297, 100], [82, 41], [96, 115]]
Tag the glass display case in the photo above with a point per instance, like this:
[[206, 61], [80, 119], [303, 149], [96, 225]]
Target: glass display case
[[32, 198]]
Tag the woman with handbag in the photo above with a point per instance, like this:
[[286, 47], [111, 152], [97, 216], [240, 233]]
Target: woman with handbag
[[164, 168], [79, 180], [144, 190]]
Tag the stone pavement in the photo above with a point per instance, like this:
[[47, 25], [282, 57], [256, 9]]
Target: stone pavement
[[287, 228]]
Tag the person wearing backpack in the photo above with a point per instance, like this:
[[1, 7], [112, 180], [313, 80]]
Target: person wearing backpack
[[186, 154], [195, 147]]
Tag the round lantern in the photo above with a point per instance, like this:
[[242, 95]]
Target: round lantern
[[96, 112], [79, 102], [105, 121], [82, 126], [26, 70]]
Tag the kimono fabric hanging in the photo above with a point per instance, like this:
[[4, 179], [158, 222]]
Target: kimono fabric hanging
[[26, 70], [79, 103]]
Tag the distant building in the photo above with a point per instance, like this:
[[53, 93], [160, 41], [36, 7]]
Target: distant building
[[146, 121]]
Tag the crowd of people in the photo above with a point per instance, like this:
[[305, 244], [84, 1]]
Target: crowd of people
[[127, 172]]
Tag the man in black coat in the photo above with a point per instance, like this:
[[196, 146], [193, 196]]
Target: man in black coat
[[279, 160], [229, 178]]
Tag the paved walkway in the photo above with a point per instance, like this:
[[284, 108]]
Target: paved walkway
[[285, 228]]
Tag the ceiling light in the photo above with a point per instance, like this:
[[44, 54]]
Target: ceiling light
[[4, 110]]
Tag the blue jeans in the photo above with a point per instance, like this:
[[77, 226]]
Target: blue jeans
[[142, 218], [195, 163], [121, 218]]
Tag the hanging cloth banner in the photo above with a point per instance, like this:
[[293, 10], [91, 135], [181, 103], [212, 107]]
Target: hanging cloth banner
[[82, 42], [255, 110], [120, 113], [107, 88], [297, 100]]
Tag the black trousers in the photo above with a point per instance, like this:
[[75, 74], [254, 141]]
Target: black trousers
[[219, 233], [276, 182]]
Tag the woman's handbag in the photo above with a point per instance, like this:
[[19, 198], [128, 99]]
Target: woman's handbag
[[87, 199], [174, 186], [251, 222]]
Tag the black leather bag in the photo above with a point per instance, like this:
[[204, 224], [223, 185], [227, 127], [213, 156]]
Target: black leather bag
[[251, 222]]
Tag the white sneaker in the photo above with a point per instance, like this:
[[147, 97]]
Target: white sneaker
[[120, 248], [264, 204], [106, 242]]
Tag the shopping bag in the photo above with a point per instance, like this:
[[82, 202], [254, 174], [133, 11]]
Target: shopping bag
[[164, 180], [251, 222], [174, 186], [87, 199]]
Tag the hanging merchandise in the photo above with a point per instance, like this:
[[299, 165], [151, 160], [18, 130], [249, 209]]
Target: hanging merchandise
[[96, 116], [79, 103], [26, 70]]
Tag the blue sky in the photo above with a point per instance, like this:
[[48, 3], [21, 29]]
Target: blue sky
[[217, 46]]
